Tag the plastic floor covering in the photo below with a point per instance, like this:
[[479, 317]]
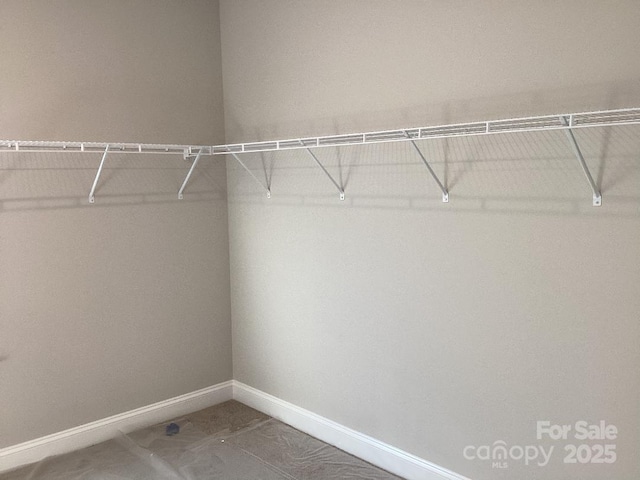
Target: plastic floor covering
[[226, 441]]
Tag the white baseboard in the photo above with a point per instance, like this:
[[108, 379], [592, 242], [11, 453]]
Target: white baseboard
[[373, 451], [107, 428]]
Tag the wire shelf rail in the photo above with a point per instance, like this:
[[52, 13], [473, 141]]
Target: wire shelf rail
[[567, 122]]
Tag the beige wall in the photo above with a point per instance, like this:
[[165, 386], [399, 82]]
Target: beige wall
[[425, 325], [114, 306], [428, 326], [120, 71]]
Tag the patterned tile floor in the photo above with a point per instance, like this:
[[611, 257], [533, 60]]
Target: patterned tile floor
[[227, 441]]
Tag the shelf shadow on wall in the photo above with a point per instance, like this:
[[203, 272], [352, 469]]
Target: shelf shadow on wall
[[533, 172], [104, 201], [545, 101], [619, 206], [38, 181], [595, 96]]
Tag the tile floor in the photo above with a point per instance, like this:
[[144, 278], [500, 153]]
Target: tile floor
[[227, 441]]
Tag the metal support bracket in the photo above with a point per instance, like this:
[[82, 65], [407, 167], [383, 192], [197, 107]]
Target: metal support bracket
[[597, 196], [186, 180], [445, 193], [95, 181], [340, 189], [267, 188]]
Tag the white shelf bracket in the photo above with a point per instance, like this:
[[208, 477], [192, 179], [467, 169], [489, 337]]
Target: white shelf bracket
[[597, 196], [186, 180], [445, 193], [340, 189], [267, 188], [92, 198]]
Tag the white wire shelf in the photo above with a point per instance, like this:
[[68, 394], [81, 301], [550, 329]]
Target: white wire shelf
[[87, 147], [569, 122], [566, 121], [605, 118]]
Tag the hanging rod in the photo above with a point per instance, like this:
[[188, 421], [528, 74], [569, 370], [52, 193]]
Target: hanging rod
[[574, 121]]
